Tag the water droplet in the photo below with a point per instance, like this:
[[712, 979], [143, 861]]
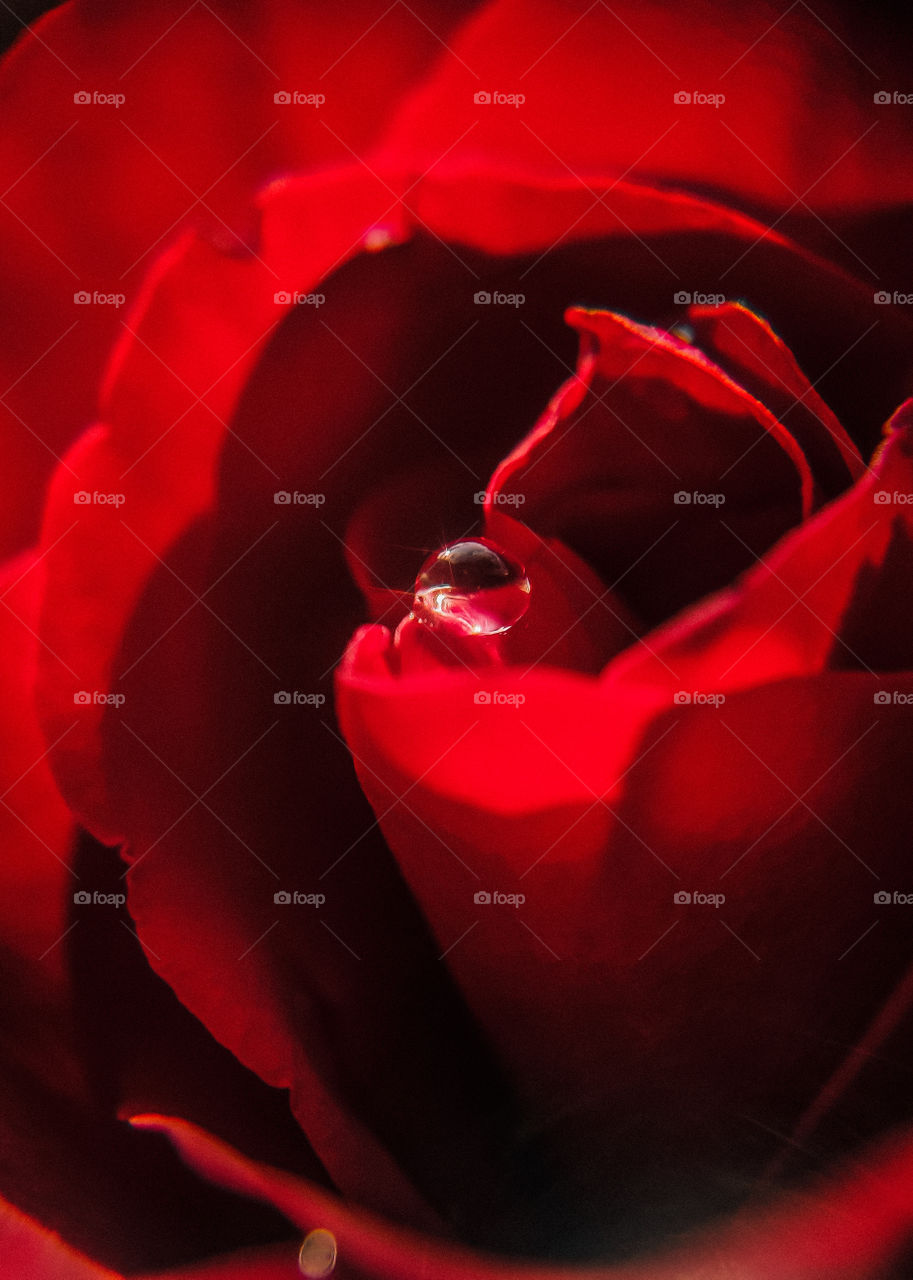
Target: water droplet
[[317, 1256], [683, 331], [378, 238], [472, 586]]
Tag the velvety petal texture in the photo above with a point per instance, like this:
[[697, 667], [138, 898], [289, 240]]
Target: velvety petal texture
[[124, 128], [546, 793], [848, 1228], [541, 938], [651, 438], [548, 83]]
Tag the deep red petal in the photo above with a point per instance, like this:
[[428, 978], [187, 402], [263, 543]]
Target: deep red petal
[[800, 611], [92, 192], [31, 1253], [848, 1228], [171, 387], [746, 346], [648, 439], [551, 792]]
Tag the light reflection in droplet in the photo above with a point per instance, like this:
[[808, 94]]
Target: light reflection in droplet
[[472, 586]]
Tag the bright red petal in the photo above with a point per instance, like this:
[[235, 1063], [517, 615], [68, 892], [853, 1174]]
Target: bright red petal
[[671, 1061], [93, 191], [599, 90]]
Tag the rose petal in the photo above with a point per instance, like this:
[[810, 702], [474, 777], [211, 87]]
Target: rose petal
[[847, 1228], [36, 828], [554, 798], [184, 341], [753, 356], [654, 1064], [198, 921], [35, 1254], [93, 191], [172, 385], [650, 437], [799, 611], [600, 85]]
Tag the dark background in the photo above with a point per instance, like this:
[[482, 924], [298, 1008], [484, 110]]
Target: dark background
[[14, 14]]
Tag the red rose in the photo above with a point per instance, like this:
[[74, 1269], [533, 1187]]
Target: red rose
[[608, 975]]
